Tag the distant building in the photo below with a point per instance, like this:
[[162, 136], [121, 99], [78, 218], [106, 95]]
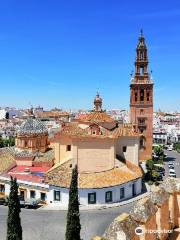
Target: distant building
[[160, 137], [2, 114]]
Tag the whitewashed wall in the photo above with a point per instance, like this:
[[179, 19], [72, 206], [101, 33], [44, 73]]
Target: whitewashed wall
[[83, 193], [100, 194]]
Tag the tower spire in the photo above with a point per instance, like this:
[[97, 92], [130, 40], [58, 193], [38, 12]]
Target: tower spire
[[141, 62], [97, 103]]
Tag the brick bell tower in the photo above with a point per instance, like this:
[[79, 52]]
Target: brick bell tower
[[141, 100]]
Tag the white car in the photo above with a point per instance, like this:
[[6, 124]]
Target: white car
[[170, 164], [171, 174], [170, 148], [171, 170]]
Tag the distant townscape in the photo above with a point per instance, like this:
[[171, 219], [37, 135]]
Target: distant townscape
[[100, 157]]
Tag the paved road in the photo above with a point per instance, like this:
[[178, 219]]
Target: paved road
[[174, 157], [50, 225]]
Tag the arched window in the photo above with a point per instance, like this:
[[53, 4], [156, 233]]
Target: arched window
[[142, 95], [142, 142]]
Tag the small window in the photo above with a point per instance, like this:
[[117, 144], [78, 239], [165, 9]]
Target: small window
[[108, 196], [2, 188], [57, 195], [121, 193], [147, 96], [135, 96], [43, 196], [68, 148], [142, 142], [32, 194], [91, 198], [142, 95], [141, 111], [124, 148]]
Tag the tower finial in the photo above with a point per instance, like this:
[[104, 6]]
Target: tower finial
[[141, 32], [97, 103]]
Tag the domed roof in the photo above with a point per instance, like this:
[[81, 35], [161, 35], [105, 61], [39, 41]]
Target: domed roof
[[32, 126]]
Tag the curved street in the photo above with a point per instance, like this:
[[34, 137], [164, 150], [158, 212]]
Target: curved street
[[50, 225]]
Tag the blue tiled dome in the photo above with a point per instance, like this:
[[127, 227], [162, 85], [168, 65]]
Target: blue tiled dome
[[32, 126]]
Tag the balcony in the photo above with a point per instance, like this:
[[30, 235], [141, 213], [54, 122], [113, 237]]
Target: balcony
[[146, 81]]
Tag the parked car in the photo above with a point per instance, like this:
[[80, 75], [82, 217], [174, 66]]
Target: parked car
[[171, 174], [170, 148], [171, 166], [171, 171]]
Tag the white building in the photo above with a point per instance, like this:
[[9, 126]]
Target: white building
[[3, 114]]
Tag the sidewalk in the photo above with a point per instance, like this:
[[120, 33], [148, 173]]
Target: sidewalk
[[96, 206]]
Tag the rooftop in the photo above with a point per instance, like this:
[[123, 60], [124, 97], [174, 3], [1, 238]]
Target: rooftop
[[61, 176], [32, 126], [75, 129]]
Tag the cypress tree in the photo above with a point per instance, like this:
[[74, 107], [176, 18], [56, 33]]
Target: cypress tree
[[73, 226], [14, 229]]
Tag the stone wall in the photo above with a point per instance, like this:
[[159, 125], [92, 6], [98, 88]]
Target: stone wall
[[156, 217]]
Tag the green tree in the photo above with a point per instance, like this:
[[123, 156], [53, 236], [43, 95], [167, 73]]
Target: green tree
[[11, 141], [14, 229], [158, 150], [73, 226], [151, 174], [1, 142]]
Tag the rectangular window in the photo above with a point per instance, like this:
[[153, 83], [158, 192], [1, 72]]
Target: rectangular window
[[121, 192], [108, 196], [68, 148], [134, 189], [32, 194], [2, 188], [147, 96], [43, 196], [124, 148], [91, 198], [56, 195], [135, 96], [142, 95]]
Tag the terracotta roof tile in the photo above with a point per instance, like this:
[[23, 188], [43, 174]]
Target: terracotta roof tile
[[51, 114], [61, 176], [72, 129], [6, 161], [96, 117]]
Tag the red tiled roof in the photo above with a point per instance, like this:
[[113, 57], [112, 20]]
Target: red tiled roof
[[96, 117], [61, 176], [73, 130], [20, 169], [26, 177], [51, 114]]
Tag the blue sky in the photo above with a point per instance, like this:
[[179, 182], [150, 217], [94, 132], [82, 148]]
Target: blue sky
[[59, 53]]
